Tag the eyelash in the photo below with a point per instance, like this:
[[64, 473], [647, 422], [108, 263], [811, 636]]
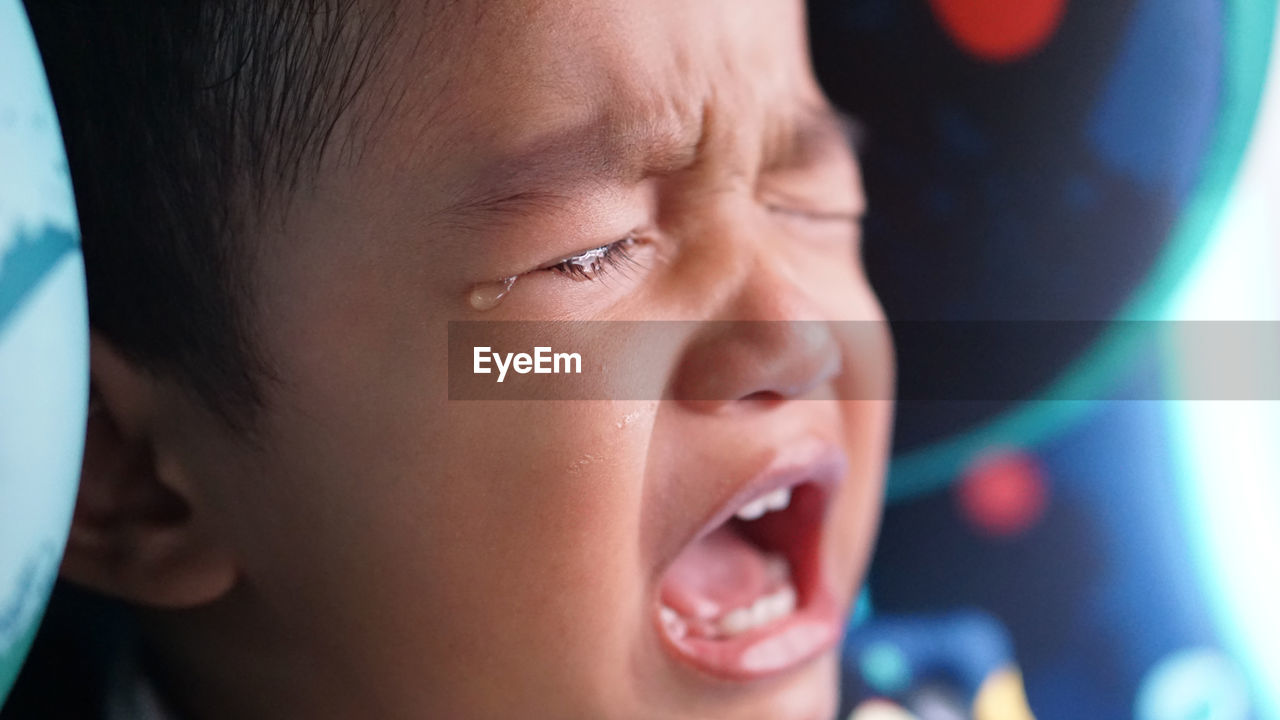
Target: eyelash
[[594, 264]]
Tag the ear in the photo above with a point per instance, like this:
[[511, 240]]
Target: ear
[[136, 532]]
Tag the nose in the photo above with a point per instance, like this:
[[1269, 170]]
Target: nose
[[772, 344]]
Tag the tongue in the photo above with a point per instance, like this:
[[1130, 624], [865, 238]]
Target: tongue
[[716, 574]]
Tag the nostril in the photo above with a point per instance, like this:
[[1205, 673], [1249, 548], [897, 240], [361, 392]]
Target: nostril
[[764, 399]]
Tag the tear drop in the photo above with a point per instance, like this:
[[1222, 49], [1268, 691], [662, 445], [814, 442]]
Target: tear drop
[[487, 296]]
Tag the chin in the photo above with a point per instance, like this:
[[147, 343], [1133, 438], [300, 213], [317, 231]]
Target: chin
[[811, 695]]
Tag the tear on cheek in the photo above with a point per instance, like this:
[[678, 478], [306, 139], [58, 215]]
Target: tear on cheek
[[487, 296]]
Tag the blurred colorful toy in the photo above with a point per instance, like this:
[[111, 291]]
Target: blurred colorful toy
[[960, 664]]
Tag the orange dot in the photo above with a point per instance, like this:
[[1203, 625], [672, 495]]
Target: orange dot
[[1000, 30]]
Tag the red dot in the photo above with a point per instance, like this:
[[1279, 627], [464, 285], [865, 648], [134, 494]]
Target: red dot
[[1000, 30], [1003, 493]]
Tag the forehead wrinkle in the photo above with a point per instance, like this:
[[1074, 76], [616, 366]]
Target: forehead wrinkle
[[609, 149]]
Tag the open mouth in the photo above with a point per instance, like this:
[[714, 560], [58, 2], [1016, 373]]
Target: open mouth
[[746, 599]]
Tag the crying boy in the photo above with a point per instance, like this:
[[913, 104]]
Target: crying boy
[[285, 202]]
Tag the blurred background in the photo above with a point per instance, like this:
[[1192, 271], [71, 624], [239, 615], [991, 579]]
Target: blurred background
[[1087, 187]]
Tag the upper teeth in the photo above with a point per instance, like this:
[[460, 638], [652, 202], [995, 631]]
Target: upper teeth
[[776, 500]]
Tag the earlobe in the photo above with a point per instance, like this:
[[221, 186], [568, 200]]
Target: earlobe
[[134, 534]]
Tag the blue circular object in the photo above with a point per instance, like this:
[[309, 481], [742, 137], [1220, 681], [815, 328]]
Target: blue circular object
[[44, 342]]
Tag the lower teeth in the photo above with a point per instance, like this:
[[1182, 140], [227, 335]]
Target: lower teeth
[[765, 610]]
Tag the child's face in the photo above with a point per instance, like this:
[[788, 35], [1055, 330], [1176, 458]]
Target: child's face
[[417, 557]]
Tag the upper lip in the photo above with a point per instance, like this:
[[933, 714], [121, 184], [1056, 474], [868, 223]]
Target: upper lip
[[818, 463]]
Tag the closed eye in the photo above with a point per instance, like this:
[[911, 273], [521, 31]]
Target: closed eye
[[597, 262], [845, 216]]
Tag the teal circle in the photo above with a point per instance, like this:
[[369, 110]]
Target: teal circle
[[885, 668], [44, 343], [1247, 49]]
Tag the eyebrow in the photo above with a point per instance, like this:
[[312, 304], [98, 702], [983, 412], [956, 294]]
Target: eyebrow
[[605, 150]]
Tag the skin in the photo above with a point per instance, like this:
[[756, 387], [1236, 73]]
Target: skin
[[380, 551]]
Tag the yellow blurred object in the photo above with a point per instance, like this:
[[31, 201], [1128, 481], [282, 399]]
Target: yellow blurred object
[[1002, 697]]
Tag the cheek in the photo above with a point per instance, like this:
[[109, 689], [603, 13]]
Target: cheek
[[452, 540], [553, 485], [518, 522], [866, 392], [531, 535], [858, 507], [834, 277]]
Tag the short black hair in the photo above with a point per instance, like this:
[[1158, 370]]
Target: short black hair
[[184, 121]]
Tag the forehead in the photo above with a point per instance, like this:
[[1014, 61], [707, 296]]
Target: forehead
[[495, 77]]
